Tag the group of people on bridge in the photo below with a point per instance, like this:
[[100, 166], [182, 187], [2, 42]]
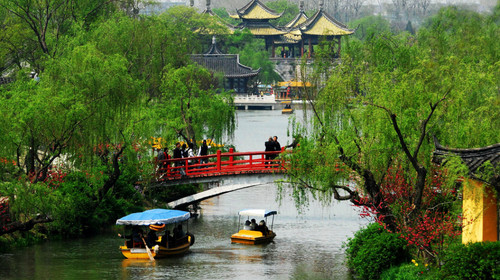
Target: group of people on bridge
[[171, 166], [184, 151]]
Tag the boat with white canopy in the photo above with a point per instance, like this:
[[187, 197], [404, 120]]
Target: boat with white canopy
[[253, 232]]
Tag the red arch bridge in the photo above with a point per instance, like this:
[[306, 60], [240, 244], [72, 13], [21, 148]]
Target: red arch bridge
[[222, 172]]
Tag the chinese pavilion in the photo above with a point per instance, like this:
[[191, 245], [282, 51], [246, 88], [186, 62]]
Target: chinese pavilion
[[236, 75], [299, 36]]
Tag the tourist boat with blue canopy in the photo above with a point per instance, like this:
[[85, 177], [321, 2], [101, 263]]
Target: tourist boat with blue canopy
[[253, 232], [158, 243]]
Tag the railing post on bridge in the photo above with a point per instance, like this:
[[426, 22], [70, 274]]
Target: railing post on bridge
[[231, 150], [282, 163], [218, 160]]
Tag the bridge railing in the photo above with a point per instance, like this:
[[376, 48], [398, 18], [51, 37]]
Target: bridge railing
[[220, 164]]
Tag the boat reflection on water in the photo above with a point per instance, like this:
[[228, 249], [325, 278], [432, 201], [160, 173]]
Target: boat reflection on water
[[137, 263]]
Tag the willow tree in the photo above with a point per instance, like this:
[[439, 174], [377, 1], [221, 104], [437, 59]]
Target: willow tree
[[82, 99], [381, 105], [192, 105]]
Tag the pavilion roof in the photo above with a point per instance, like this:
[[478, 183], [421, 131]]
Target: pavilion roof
[[300, 18], [288, 38], [228, 64], [261, 28], [256, 10], [473, 158], [324, 24]]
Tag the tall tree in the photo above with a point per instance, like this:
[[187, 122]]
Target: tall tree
[[191, 105], [381, 104]]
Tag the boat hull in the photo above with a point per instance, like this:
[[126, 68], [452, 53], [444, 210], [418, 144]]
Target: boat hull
[[157, 251], [252, 237]]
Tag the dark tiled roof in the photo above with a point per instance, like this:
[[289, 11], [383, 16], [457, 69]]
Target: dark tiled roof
[[474, 158], [229, 64], [225, 63]]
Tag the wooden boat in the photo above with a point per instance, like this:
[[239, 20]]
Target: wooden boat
[[156, 219], [258, 235], [178, 248]]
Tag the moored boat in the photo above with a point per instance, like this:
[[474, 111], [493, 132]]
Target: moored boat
[[253, 233], [157, 221]]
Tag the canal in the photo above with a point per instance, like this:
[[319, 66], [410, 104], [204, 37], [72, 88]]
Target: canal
[[308, 244]]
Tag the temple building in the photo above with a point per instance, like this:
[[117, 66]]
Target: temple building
[[236, 75], [480, 203], [299, 36]]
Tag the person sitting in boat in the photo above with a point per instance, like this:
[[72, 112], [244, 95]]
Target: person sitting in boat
[[247, 225], [166, 239], [135, 237], [178, 232], [151, 238], [262, 227], [253, 225]]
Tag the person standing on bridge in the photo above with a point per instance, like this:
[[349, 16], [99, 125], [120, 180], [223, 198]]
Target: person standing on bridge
[[269, 147], [177, 154], [190, 152], [162, 165], [276, 146], [203, 151]]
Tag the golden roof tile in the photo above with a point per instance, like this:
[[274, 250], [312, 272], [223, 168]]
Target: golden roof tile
[[323, 24], [255, 10], [297, 20]]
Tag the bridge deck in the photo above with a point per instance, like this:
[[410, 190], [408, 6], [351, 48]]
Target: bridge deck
[[219, 164]]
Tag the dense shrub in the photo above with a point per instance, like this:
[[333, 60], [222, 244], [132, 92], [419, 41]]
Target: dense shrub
[[472, 261], [411, 271], [373, 250]]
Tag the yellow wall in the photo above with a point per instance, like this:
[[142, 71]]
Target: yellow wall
[[480, 213]]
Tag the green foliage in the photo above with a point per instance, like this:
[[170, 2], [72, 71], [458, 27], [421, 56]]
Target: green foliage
[[252, 53], [192, 107], [224, 16], [373, 249], [472, 261], [409, 272], [387, 76], [100, 73], [289, 10], [370, 27]]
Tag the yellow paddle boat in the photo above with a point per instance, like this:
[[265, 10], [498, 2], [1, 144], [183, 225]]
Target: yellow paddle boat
[[288, 108], [158, 243], [253, 232]]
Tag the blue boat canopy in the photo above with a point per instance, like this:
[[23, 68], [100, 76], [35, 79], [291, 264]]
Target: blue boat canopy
[[154, 216], [257, 212]]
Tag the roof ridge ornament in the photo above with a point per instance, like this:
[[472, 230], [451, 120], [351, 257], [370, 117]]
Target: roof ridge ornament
[[321, 5], [301, 6], [191, 3], [208, 5]]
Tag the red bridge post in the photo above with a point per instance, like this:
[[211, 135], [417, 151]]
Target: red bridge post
[[231, 150], [218, 160]]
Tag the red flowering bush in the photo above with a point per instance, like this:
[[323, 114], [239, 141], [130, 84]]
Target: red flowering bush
[[426, 228]]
